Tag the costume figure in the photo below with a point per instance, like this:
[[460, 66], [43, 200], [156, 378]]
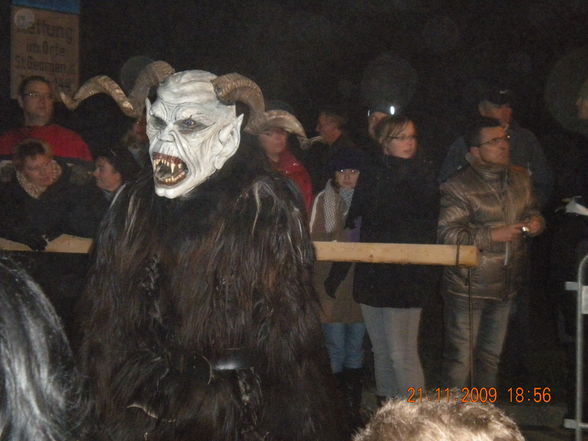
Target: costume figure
[[200, 321]]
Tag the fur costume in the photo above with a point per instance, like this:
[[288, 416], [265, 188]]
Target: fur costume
[[199, 319]]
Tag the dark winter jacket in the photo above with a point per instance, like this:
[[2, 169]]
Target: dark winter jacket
[[472, 203], [398, 202], [24, 218], [88, 213]]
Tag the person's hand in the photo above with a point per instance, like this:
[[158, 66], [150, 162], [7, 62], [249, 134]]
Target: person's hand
[[33, 239], [507, 233], [533, 225]]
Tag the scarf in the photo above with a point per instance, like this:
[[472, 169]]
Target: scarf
[[332, 200], [35, 191]]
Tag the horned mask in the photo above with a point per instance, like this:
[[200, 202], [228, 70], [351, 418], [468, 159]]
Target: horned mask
[[191, 133], [192, 126]]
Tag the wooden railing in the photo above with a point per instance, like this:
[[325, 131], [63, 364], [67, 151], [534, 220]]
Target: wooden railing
[[400, 253]]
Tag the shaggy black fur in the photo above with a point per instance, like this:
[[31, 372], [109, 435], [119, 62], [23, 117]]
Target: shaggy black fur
[[178, 284]]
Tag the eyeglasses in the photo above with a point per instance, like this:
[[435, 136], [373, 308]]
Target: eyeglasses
[[495, 141], [402, 138], [348, 171], [37, 95]]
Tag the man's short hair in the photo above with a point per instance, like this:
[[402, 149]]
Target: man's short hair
[[338, 115], [472, 135], [437, 419], [22, 87], [29, 148], [122, 161]]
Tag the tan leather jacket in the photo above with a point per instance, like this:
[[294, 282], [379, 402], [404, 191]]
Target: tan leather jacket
[[472, 203]]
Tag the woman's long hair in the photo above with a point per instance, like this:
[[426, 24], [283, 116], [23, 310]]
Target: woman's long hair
[[40, 390]]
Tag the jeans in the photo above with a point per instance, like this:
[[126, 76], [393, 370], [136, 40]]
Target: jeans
[[394, 336], [345, 345], [489, 325]]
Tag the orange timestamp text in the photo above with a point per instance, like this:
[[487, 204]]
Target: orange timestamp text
[[517, 395]]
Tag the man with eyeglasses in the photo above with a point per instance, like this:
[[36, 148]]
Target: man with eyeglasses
[[491, 205], [36, 99], [525, 151]]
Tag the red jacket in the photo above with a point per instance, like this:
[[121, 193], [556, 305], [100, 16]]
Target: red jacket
[[293, 169], [64, 143]]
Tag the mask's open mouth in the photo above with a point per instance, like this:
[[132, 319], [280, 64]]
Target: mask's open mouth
[[168, 170]]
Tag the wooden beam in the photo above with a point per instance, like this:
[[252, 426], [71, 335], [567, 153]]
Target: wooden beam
[[62, 244], [401, 253]]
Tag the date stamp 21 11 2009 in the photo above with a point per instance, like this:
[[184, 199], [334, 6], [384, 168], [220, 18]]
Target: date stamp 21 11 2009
[[516, 395]]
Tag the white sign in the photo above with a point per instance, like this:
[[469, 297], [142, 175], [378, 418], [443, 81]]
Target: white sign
[[44, 43]]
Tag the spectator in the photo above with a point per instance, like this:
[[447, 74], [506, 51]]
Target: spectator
[[525, 148], [342, 320], [331, 128], [274, 142], [434, 418], [489, 204], [40, 390], [376, 115], [114, 168], [36, 98], [397, 200], [569, 246], [136, 141], [37, 202]]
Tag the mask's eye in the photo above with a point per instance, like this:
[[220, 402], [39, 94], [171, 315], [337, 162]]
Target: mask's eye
[[157, 123], [190, 125]]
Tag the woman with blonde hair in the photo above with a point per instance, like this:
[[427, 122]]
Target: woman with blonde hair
[[397, 200]]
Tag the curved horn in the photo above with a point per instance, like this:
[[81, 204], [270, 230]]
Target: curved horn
[[133, 105], [94, 86], [151, 75], [234, 87]]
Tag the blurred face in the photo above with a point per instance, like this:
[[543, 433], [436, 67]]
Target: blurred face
[[327, 128], [347, 178], [37, 103], [39, 170], [140, 130], [373, 121], [402, 144], [502, 112], [582, 105], [494, 148], [107, 178], [273, 142]]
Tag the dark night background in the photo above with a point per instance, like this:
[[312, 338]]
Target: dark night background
[[431, 55]]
